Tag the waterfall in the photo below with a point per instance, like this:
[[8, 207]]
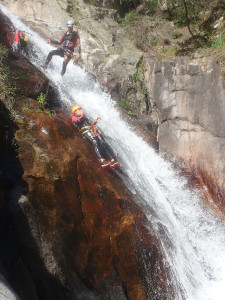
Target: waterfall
[[5, 291], [192, 236]]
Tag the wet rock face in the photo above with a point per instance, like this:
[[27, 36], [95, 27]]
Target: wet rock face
[[189, 96], [7, 36], [79, 231], [27, 79]]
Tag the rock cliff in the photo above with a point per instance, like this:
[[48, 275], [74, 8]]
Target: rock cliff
[[189, 99]]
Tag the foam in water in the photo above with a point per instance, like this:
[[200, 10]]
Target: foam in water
[[192, 237]]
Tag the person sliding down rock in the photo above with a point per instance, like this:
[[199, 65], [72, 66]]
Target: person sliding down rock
[[93, 135], [70, 40]]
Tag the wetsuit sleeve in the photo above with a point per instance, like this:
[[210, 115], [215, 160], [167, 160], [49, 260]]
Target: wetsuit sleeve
[[17, 37], [58, 42], [77, 120], [74, 118], [78, 44]]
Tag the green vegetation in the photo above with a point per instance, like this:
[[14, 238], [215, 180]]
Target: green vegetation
[[153, 6], [194, 24], [5, 86], [139, 78], [129, 18], [21, 121], [39, 110], [42, 99], [218, 42], [125, 104]]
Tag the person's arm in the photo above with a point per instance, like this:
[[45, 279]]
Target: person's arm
[[77, 120], [78, 48], [56, 42], [17, 37], [96, 121]]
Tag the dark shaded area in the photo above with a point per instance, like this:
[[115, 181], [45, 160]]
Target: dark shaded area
[[20, 260], [7, 35], [124, 7]]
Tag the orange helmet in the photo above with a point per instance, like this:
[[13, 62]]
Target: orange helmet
[[75, 108]]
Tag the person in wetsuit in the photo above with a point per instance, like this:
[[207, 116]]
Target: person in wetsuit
[[21, 40], [70, 40], [93, 135]]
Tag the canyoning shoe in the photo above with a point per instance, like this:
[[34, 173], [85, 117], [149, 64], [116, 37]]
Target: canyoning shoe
[[114, 164], [105, 163]]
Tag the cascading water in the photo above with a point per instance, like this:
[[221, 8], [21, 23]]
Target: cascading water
[[5, 291], [192, 237]]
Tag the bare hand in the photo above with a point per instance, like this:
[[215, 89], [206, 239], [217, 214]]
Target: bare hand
[[78, 55], [48, 41]]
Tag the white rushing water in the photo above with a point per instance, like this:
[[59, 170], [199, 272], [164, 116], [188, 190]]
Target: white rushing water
[[192, 237], [6, 293]]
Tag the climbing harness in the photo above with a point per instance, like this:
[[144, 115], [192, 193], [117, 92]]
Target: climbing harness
[[68, 38], [91, 128]]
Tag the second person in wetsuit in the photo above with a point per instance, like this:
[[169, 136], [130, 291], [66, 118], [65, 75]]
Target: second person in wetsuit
[[21, 40], [70, 40], [93, 135]]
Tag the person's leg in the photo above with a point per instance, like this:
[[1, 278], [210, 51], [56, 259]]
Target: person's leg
[[58, 52], [105, 147], [16, 47], [93, 140], [65, 63], [107, 151]]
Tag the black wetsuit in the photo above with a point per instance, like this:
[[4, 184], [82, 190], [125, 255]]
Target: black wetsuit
[[101, 148]]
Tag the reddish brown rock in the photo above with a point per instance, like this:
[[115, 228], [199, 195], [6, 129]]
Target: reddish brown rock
[[85, 214]]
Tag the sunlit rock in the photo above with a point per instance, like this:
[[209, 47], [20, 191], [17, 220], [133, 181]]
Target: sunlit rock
[[189, 95]]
